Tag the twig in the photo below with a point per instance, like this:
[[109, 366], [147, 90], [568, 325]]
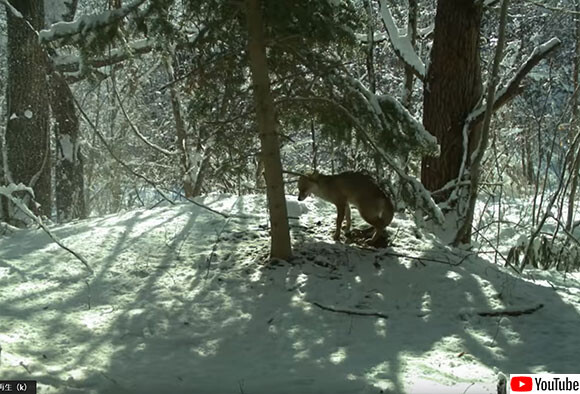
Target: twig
[[349, 312], [115, 157], [38, 221], [512, 312], [135, 129]]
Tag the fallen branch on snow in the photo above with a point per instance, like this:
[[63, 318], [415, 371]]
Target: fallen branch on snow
[[512, 312], [349, 311], [8, 191]]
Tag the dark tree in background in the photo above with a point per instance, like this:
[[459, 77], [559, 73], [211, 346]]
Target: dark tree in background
[[27, 131], [69, 172]]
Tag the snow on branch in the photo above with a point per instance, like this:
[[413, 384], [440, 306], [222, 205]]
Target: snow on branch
[[9, 190], [390, 115], [422, 198], [87, 23], [72, 63], [377, 37], [401, 43], [11, 8], [512, 88]]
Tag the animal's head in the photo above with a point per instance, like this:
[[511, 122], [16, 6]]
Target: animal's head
[[307, 184]]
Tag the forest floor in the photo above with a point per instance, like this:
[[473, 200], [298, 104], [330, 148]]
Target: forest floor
[[182, 301]]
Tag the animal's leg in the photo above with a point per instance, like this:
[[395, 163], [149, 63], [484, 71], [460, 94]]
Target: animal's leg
[[348, 218], [340, 210]]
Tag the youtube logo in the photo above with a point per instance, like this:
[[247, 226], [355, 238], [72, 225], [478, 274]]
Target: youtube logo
[[521, 383]]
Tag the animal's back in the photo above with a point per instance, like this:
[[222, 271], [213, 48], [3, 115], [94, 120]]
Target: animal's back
[[359, 187]]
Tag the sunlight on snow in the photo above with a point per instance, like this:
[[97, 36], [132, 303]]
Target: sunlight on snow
[[95, 318], [381, 327], [208, 348], [378, 376], [426, 306], [453, 275], [338, 356]]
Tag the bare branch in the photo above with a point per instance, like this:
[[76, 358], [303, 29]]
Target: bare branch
[[513, 88], [349, 312], [136, 130], [507, 312]]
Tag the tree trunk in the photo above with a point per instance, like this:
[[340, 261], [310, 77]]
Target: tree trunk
[[575, 165], [265, 115], [464, 233], [69, 168], [27, 130], [452, 88]]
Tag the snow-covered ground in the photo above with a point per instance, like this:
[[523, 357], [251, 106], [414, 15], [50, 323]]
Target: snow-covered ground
[[182, 302]]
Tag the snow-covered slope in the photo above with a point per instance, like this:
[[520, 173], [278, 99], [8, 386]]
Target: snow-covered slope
[[182, 302]]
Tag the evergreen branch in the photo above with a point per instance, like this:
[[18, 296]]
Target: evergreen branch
[[423, 196], [71, 64]]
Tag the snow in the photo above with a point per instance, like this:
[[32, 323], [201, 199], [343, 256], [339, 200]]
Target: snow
[[182, 302], [401, 43], [67, 148], [11, 8], [86, 23]]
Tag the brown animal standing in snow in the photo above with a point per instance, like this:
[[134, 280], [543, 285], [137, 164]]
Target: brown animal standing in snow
[[348, 188]]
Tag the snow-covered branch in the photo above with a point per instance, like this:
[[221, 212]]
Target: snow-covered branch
[[87, 23], [377, 37], [11, 8], [72, 63], [423, 200], [512, 88], [392, 115], [401, 43], [8, 192]]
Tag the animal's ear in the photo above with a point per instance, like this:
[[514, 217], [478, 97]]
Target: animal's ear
[[313, 175]]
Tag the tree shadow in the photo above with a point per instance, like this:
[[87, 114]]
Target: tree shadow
[[178, 317]]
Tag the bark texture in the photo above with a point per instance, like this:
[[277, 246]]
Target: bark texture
[[266, 119], [452, 87], [27, 131]]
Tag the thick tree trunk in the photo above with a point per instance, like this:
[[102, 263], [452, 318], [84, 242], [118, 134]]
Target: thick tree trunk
[[280, 246], [69, 168], [452, 87], [27, 131]]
